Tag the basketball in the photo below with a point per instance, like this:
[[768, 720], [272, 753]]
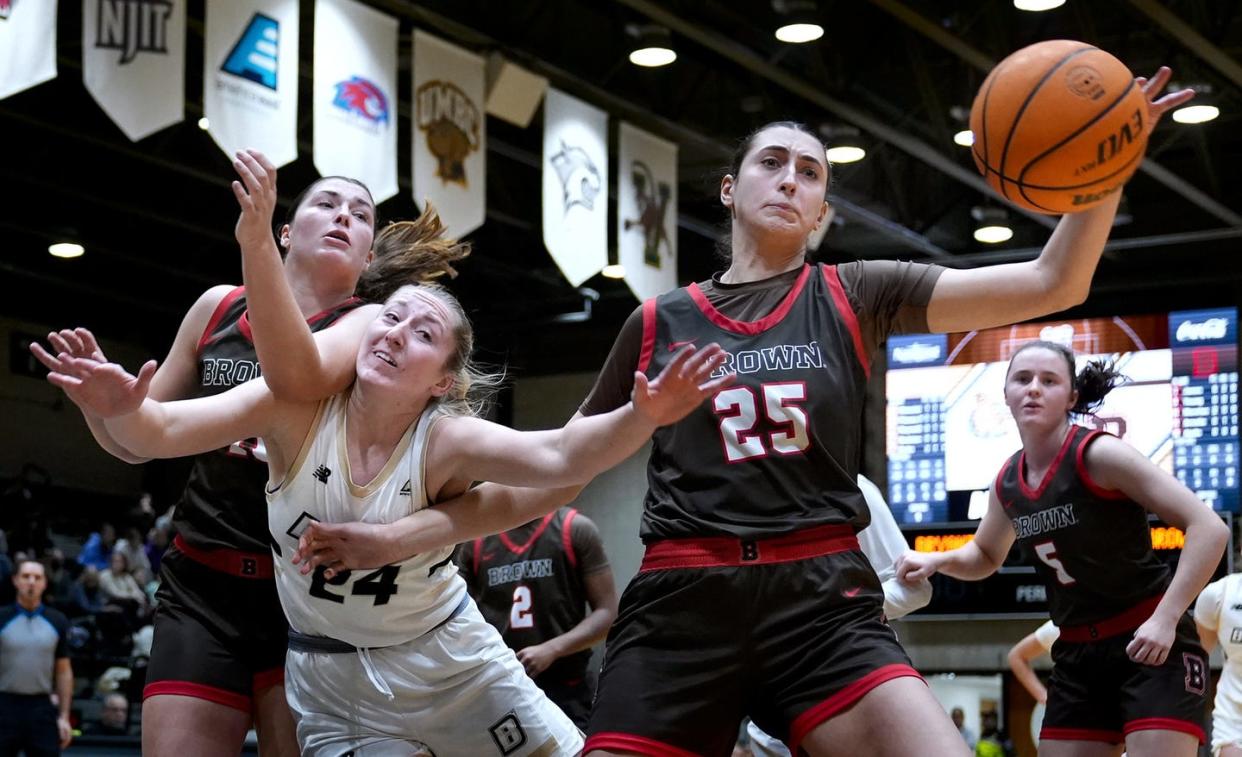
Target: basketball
[[1059, 126]]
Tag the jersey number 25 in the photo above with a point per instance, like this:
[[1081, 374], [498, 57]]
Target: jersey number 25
[[739, 408]]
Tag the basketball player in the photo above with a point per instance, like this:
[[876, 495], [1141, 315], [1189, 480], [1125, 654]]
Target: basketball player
[[1035, 644], [534, 583], [220, 636], [752, 510], [1218, 615], [398, 659], [1128, 666]]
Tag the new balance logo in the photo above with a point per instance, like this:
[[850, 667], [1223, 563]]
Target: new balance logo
[[6, 8], [255, 55], [1237, 606], [1235, 637], [133, 26], [322, 474], [405, 490]]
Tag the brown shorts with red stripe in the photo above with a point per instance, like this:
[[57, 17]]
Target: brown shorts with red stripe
[[1097, 693], [220, 633], [789, 631]]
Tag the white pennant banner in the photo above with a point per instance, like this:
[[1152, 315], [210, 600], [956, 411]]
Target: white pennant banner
[[450, 133], [575, 185], [646, 211], [355, 103], [27, 44], [250, 76], [133, 62]]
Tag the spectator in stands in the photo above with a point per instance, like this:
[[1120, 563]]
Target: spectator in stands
[[120, 588], [8, 594], [87, 598], [113, 718], [34, 666], [133, 547], [98, 547], [59, 581], [157, 543]]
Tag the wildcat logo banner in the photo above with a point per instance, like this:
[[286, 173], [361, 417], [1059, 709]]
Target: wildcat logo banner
[[646, 211], [27, 44], [355, 95], [250, 76], [449, 159], [575, 185], [133, 62]]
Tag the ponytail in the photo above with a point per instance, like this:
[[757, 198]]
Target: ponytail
[[410, 252]]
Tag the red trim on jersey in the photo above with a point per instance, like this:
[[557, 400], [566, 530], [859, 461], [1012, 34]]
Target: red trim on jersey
[[266, 679], [197, 691], [1090, 483], [1048, 474], [727, 551], [567, 540], [216, 315], [750, 328], [649, 333], [1117, 624], [846, 311], [516, 549], [833, 705], [243, 323], [628, 742], [478, 550], [1080, 734], [231, 561], [1166, 724]]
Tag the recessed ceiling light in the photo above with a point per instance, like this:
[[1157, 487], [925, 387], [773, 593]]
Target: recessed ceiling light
[[614, 271], [66, 250], [1195, 114]]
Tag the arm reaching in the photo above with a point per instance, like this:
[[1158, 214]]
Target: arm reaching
[[978, 298], [1020, 657], [472, 449], [975, 560], [883, 544], [311, 366]]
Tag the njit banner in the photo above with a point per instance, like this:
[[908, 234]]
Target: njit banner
[[575, 185], [133, 62], [355, 101], [27, 44], [250, 76], [450, 133], [647, 212]]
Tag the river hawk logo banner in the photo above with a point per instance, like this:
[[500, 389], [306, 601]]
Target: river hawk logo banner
[[355, 99], [250, 76], [133, 62], [449, 159], [575, 185], [27, 44], [646, 211]]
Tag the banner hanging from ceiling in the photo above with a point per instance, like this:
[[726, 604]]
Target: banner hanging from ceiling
[[133, 62], [646, 211], [27, 44], [575, 185], [355, 95], [250, 76]]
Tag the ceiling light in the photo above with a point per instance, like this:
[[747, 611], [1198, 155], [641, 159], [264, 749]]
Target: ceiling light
[[66, 250], [992, 224], [653, 46], [1195, 114], [799, 21], [845, 154], [965, 138], [614, 271], [1037, 5], [203, 123]]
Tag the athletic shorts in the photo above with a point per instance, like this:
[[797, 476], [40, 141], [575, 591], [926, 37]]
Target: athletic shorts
[[573, 697], [219, 636], [1097, 693], [789, 643], [457, 691]]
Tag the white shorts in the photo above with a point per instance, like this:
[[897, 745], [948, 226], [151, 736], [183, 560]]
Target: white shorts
[[1226, 730], [456, 692]]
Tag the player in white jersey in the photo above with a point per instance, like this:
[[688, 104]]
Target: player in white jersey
[[398, 659], [1218, 615]]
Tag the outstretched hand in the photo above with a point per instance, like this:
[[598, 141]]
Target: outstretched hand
[[102, 389], [256, 194], [68, 344], [681, 386], [912, 567], [1158, 106], [342, 546]]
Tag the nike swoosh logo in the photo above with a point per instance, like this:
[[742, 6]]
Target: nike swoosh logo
[[851, 593], [672, 347]]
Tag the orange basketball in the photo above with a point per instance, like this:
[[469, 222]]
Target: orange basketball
[[1059, 126]]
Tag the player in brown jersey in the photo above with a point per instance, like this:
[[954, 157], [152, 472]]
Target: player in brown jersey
[[1128, 665], [218, 654]]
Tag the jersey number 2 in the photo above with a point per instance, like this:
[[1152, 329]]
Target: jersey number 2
[[738, 408], [520, 615], [1047, 552]]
